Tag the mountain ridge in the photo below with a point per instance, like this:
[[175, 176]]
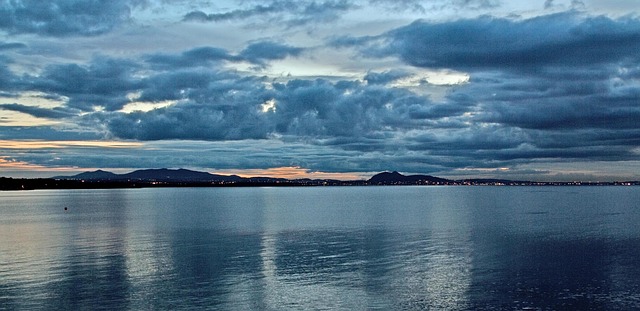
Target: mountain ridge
[[161, 174], [390, 178], [185, 177]]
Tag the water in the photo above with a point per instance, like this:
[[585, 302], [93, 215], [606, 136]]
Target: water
[[349, 248]]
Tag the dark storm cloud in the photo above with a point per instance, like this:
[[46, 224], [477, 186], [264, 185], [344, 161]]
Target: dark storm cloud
[[518, 121], [47, 133], [9, 82], [425, 6], [258, 10], [260, 52], [216, 105], [557, 99], [64, 17], [564, 39], [11, 45], [369, 119], [297, 13], [291, 13], [386, 76], [223, 105], [540, 89], [105, 82], [54, 113], [203, 85], [498, 142], [202, 56], [603, 115], [5, 77], [324, 109], [111, 83], [191, 122], [557, 86]]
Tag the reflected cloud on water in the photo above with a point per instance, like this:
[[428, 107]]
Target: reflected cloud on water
[[258, 249]]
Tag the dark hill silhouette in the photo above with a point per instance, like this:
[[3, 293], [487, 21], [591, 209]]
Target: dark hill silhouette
[[99, 174], [393, 178], [162, 174], [186, 178]]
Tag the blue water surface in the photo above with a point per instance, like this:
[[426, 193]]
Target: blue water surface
[[321, 248]]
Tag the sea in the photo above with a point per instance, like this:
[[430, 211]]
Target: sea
[[321, 248]]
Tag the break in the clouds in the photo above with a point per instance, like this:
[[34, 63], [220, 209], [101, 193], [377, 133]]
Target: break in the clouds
[[540, 92]]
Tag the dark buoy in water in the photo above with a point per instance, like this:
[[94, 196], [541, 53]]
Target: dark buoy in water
[[65, 208]]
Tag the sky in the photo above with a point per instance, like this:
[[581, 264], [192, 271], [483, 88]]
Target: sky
[[535, 90]]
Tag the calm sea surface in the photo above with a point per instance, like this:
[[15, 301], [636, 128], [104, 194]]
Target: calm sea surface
[[350, 248]]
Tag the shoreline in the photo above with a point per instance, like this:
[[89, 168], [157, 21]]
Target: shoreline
[[18, 184]]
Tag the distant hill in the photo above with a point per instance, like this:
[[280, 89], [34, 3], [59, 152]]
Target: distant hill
[[162, 174], [394, 178], [186, 178], [99, 174]]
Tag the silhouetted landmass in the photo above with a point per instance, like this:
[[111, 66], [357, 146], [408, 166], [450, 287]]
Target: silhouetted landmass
[[99, 174], [49, 183], [162, 174], [395, 178], [186, 178]]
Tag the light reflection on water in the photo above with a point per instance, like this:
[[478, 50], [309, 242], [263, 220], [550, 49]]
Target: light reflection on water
[[385, 248]]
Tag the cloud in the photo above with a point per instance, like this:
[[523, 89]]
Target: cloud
[[11, 46], [386, 76], [548, 4], [53, 113], [9, 82], [104, 83], [426, 6], [202, 56], [559, 86], [226, 106], [497, 119], [567, 116], [555, 88], [565, 39], [59, 132], [262, 51], [61, 18], [203, 85], [258, 53], [111, 83], [287, 12], [557, 99]]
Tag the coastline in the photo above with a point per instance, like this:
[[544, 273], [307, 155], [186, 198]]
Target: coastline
[[13, 184]]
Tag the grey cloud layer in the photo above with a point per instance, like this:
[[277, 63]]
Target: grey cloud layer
[[288, 12], [486, 43], [223, 106], [303, 12], [258, 53], [556, 87], [11, 45], [64, 17], [423, 6], [55, 113]]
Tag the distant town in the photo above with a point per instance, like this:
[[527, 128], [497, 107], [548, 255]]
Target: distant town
[[187, 178]]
